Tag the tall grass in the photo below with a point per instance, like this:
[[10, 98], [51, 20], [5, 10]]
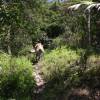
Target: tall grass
[[58, 61], [62, 72], [16, 80]]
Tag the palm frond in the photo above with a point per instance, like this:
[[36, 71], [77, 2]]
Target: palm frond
[[96, 5], [90, 5], [74, 7], [98, 8]]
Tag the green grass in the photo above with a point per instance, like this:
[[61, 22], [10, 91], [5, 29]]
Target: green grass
[[16, 79], [63, 74], [58, 61]]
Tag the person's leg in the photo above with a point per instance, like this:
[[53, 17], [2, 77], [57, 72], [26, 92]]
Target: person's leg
[[41, 55], [36, 57]]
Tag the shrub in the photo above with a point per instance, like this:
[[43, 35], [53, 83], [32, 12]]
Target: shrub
[[57, 42], [60, 71], [91, 76], [16, 80], [26, 51], [4, 60], [57, 61], [93, 61], [54, 30]]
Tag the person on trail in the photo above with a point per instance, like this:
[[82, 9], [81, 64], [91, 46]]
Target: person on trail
[[39, 50]]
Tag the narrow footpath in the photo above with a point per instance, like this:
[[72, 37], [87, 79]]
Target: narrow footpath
[[40, 83]]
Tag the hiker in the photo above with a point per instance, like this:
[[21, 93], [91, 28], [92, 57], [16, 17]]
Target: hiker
[[39, 50]]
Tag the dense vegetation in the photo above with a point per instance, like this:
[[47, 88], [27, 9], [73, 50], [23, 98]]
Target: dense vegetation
[[71, 41], [16, 80]]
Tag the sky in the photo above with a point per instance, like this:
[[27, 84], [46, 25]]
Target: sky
[[52, 0]]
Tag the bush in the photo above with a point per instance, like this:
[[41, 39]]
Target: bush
[[57, 61], [63, 74], [60, 71], [93, 61], [16, 80], [91, 76], [57, 42], [4, 60], [26, 51], [54, 30]]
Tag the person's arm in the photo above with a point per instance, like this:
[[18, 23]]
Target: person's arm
[[36, 45]]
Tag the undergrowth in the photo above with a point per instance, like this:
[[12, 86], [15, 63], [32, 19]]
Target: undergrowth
[[16, 80]]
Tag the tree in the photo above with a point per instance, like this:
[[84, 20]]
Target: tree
[[9, 17], [90, 6], [19, 18]]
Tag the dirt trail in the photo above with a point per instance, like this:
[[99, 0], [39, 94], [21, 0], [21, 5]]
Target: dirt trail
[[40, 83]]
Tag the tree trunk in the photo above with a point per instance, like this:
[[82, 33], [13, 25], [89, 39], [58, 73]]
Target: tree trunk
[[89, 27], [8, 41]]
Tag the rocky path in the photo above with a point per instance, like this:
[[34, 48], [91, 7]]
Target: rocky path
[[40, 83]]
